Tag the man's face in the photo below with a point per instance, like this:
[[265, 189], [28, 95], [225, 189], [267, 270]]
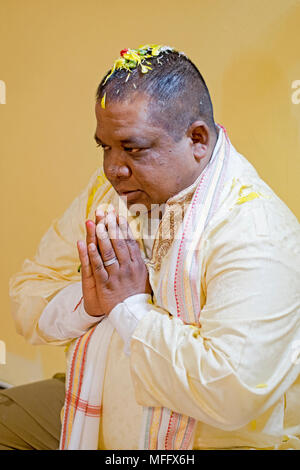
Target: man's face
[[141, 161]]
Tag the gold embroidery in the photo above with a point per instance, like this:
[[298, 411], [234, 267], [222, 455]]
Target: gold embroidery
[[168, 227]]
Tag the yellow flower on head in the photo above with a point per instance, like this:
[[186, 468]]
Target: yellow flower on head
[[153, 47], [132, 58], [156, 50], [145, 68], [132, 55]]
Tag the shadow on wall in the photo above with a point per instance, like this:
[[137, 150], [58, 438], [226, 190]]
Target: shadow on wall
[[262, 104]]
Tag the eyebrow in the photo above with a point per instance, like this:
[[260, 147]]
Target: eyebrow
[[135, 141], [129, 140]]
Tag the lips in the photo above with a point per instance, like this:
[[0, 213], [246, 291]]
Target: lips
[[130, 194], [124, 192], [128, 191]]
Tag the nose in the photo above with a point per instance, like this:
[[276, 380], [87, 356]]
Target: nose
[[116, 168]]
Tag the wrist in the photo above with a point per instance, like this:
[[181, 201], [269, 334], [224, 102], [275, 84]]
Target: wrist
[[82, 317], [129, 298], [91, 312]]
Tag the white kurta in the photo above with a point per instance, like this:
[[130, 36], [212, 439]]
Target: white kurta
[[238, 375]]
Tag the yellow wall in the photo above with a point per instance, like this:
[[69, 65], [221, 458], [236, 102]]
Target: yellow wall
[[54, 53]]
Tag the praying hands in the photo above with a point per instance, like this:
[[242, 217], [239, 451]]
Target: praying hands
[[112, 267]]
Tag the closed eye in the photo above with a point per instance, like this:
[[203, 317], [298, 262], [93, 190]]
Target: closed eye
[[99, 143], [104, 147], [131, 150], [127, 149]]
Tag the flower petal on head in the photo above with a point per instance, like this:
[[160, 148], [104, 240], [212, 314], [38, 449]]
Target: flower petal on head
[[103, 101], [133, 58]]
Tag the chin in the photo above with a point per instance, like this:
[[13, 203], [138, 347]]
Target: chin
[[138, 208], [136, 202]]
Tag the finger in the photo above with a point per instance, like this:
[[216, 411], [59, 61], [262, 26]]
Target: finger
[[132, 244], [106, 249], [99, 215], [86, 268], [90, 232], [98, 268], [117, 239], [125, 228]]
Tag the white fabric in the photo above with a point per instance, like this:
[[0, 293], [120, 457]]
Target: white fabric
[[126, 315], [60, 320], [92, 387]]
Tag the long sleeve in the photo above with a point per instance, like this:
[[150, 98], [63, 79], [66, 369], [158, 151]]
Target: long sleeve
[[239, 363], [125, 316], [54, 267], [65, 317]]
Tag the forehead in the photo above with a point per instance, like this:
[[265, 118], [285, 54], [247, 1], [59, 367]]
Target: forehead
[[121, 118]]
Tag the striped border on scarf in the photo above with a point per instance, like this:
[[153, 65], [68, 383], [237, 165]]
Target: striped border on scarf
[[167, 430], [72, 400], [179, 262], [214, 172]]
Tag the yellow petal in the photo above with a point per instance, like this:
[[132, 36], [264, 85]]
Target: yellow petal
[[245, 186], [145, 68], [149, 46], [247, 198], [233, 183], [101, 180], [119, 63], [155, 50], [103, 101], [132, 55]]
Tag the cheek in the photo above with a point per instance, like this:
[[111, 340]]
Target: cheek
[[105, 164], [159, 173], [149, 174], [105, 168]]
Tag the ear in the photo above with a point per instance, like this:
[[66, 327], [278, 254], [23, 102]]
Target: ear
[[200, 136]]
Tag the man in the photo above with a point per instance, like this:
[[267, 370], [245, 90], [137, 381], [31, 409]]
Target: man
[[183, 328]]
